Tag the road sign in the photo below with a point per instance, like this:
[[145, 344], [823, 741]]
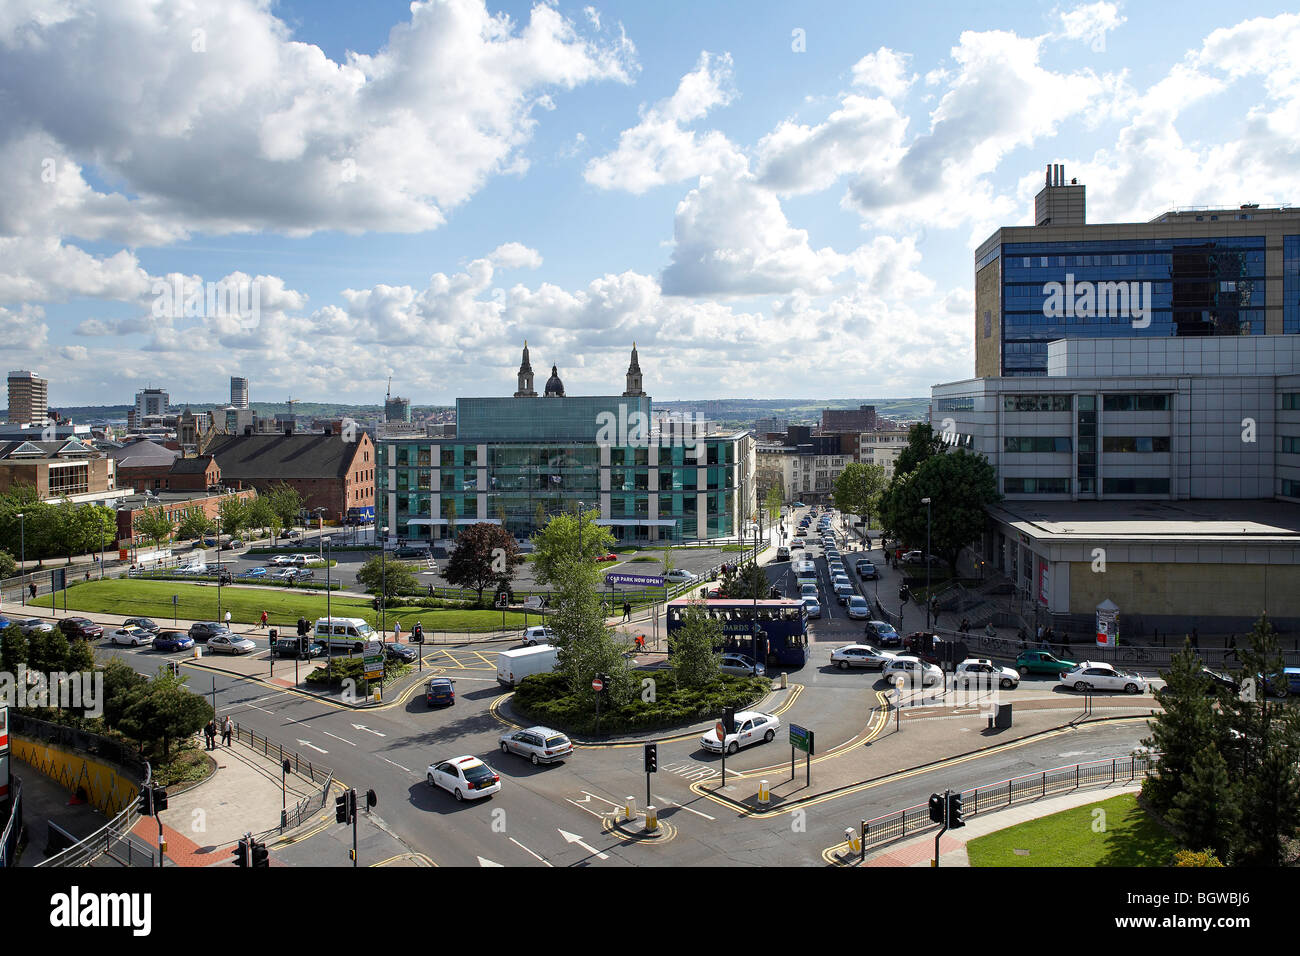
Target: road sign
[[597, 685], [635, 580], [721, 731], [374, 660], [801, 738]]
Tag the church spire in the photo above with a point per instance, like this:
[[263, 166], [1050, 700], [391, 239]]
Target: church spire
[[634, 389], [525, 377]]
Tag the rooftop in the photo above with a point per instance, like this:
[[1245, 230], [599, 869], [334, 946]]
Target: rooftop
[[1199, 521]]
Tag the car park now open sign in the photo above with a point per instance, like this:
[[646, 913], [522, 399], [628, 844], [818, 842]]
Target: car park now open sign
[[635, 580]]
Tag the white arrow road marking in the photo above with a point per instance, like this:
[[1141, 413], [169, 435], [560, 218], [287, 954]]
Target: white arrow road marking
[[680, 807], [579, 805], [574, 838], [368, 730], [397, 765], [530, 852], [344, 739], [483, 861], [308, 743]]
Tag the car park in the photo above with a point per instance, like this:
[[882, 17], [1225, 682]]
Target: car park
[[858, 608], [883, 634], [751, 727], [81, 628], [1041, 662], [169, 641], [912, 670], [130, 637], [539, 744], [203, 631], [981, 673], [230, 644], [740, 665], [440, 692], [860, 655], [1096, 675], [867, 571], [679, 575], [812, 607], [467, 777]]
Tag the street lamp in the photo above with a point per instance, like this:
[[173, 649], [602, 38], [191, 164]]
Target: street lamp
[[22, 542], [330, 644], [929, 600]]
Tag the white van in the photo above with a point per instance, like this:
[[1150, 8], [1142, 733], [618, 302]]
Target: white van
[[347, 633], [514, 665]]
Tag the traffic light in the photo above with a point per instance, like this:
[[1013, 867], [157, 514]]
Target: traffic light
[[903, 595], [240, 852], [651, 758], [936, 808], [261, 857], [371, 799], [955, 811], [146, 802], [729, 720], [343, 807], [159, 799]]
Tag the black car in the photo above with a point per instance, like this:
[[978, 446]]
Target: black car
[[1220, 681], [201, 631], [143, 623], [80, 627], [440, 692], [301, 647], [412, 552], [399, 652], [867, 571]]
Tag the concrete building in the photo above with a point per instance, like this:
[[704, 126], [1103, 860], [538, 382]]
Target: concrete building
[[66, 469], [397, 409], [1186, 273], [29, 397], [238, 392], [151, 402]]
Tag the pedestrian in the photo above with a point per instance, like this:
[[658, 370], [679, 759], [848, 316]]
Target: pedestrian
[[227, 730], [32, 589], [1040, 633], [990, 631], [430, 590], [263, 619], [210, 733], [87, 574], [627, 611], [397, 631], [227, 619]]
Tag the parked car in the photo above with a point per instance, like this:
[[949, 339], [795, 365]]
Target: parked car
[[1095, 675], [867, 571], [859, 609], [130, 636], [860, 655], [812, 607], [230, 644], [741, 665], [537, 634], [300, 647], [34, 625], [751, 727], [281, 560], [883, 633], [1042, 662], [1219, 681], [412, 551], [169, 641], [440, 692], [979, 673], [679, 575], [538, 744], [82, 628], [144, 623], [912, 670], [918, 557], [203, 631], [607, 557], [467, 777], [254, 573]]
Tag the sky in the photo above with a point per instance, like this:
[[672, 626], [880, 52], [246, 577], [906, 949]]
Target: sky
[[772, 200]]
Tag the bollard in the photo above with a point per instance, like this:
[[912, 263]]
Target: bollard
[[379, 695], [851, 838], [198, 651], [785, 680], [763, 796], [652, 819], [629, 808]]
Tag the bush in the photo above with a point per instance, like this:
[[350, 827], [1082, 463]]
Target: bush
[[345, 668], [1196, 858]]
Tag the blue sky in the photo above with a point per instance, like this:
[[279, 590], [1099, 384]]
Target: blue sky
[[772, 201]]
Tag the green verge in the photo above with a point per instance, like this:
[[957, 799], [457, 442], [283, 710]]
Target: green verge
[[544, 698], [1076, 838], [246, 604]]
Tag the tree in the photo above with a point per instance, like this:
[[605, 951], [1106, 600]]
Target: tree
[[121, 687], [233, 512], [1184, 728], [1207, 806], [153, 523], [485, 554], [8, 565], [960, 485], [48, 651], [165, 711], [194, 523], [695, 660], [262, 515], [392, 577], [747, 583], [568, 543], [922, 445], [539, 517], [14, 649], [669, 559], [449, 512], [858, 489], [285, 502], [81, 660], [773, 501]]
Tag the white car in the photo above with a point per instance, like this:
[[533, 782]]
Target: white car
[[281, 560], [284, 575], [812, 607], [1092, 675], [912, 669], [751, 727], [34, 625], [466, 778], [741, 665], [131, 636], [981, 673], [860, 655], [678, 576], [230, 644], [859, 609], [537, 634], [808, 591], [538, 744]]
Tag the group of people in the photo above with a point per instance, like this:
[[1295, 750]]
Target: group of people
[[227, 732]]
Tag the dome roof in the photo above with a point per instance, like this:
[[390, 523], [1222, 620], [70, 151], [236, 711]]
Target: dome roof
[[553, 384]]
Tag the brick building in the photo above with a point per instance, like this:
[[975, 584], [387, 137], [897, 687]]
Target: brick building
[[328, 471], [174, 503]]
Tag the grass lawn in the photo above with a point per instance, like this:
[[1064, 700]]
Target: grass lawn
[[199, 603], [1130, 838]]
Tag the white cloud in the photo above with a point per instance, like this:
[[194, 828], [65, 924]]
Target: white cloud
[[23, 330], [885, 71], [864, 136], [1091, 22], [515, 255]]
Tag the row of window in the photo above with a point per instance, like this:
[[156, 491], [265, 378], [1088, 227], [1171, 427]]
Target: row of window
[[1037, 403], [1033, 444], [1290, 445], [954, 405], [1290, 401], [1121, 444], [1290, 488], [1036, 486], [1110, 486]]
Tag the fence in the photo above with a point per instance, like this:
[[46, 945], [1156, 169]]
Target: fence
[[317, 773], [113, 839], [9, 838], [1006, 793]]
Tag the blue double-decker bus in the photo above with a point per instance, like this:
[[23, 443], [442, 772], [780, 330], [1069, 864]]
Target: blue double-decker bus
[[782, 628]]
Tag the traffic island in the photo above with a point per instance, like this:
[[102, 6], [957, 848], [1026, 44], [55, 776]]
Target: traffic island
[[640, 827]]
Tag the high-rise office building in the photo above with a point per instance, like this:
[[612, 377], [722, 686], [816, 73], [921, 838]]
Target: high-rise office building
[[1194, 272], [152, 401], [239, 392], [397, 409], [29, 397]]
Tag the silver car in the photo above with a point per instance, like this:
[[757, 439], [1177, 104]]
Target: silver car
[[741, 665], [230, 644], [538, 744]]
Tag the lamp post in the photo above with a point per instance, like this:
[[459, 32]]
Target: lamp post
[[219, 567], [329, 617], [22, 544], [581, 505], [928, 599]]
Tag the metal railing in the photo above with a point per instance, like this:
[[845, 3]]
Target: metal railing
[[317, 773], [113, 839], [1006, 793], [12, 830]]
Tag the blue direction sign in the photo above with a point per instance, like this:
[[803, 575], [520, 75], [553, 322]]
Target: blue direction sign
[[635, 580], [801, 738]]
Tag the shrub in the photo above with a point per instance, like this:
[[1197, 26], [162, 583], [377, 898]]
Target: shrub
[[1196, 858]]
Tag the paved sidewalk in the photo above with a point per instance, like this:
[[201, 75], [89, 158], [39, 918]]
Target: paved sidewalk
[[919, 851]]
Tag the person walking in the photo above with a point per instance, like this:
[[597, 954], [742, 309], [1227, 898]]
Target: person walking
[[627, 611], [210, 733], [263, 619], [397, 632], [227, 730], [31, 588]]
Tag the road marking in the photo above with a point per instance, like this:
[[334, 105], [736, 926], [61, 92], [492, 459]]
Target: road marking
[[680, 807], [574, 838], [308, 743], [691, 771], [484, 861], [397, 765], [530, 852], [579, 805], [602, 799], [344, 739], [368, 730]]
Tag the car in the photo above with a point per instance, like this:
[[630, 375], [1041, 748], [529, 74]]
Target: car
[[858, 608], [912, 669], [440, 691], [783, 553], [168, 641], [281, 560], [538, 744], [144, 623], [751, 727], [981, 673], [1041, 662], [254, 573], [844, 591], [812, 607], [304, 574], [396, 651], [679, 575], [300, 647], [34, 625], [300, 560], [206, 630], [230, 644], [838, 578], [1219, 681], [80, 627], [232, 545], [836, 568], [801, 533], [919, 557], [867, 571], [741, 665], [860, 655], [607, 557], [467, 777], [808, 591], [1097, 675], [130, 636], [1284, 684], [796, 545], [537, 634], [412, 551], [883, 633]]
